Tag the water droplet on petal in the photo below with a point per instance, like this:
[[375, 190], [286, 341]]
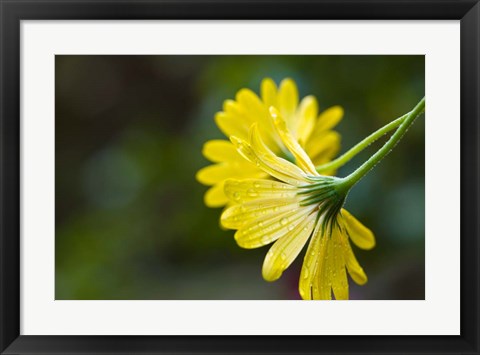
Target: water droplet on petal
[[252, 193], [236, 196], [283, 221], [305, 273]]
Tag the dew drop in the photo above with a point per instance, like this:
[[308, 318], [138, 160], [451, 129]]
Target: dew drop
[[305, 273], [256, 185], [283, 256], [236, 196], [283, 221], [252, 193]]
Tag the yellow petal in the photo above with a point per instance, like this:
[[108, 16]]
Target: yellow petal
[[328, 119], [255, 111], [238, 116], [215, 197], [266, 229], [212, 174], [239, 215], [314, 280], [358, 233], [220, 151], [230, 125], [307, 114], [250, 103], [323, 147], [238, 112], [339, 273], [288, 101], [240, 191], [260, 155], [269, 92], [292, 145], [354, 269], [215, 173], [286, 249]]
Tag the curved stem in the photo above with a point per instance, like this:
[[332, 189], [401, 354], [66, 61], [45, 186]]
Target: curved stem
[[352, 152], [354, 177]]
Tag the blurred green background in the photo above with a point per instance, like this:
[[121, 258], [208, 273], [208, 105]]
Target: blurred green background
[[130, 219]]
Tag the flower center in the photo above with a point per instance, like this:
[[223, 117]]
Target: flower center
[[324, 192]]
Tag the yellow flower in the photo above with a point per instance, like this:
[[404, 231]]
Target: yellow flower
[[312, 131], [302, 205]]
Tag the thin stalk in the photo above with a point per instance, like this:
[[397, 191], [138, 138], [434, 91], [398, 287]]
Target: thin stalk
[[354, 177], [347, 156]]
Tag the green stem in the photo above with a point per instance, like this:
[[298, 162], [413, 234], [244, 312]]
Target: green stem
[[347, 156], [354, 177]]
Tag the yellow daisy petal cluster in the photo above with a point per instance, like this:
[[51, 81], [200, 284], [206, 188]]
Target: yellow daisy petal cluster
[[299, 205], [313, 132]]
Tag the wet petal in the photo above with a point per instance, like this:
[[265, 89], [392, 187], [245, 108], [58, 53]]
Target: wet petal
[[339, 272], [260, 155], [292, 145], [266, 229], [239, 215], [314, 279], [286, 249], [240, 191]]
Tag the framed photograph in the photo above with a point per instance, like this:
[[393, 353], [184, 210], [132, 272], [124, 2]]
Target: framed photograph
[[239, 177]]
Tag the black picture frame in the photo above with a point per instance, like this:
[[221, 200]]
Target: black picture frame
[[12, 12]]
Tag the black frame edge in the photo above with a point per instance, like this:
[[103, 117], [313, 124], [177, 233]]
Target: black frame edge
[[12, 12], [470, 180], [9, 177]]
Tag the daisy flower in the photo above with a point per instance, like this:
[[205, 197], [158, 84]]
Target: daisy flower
[[313, 132], [300, 205]]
